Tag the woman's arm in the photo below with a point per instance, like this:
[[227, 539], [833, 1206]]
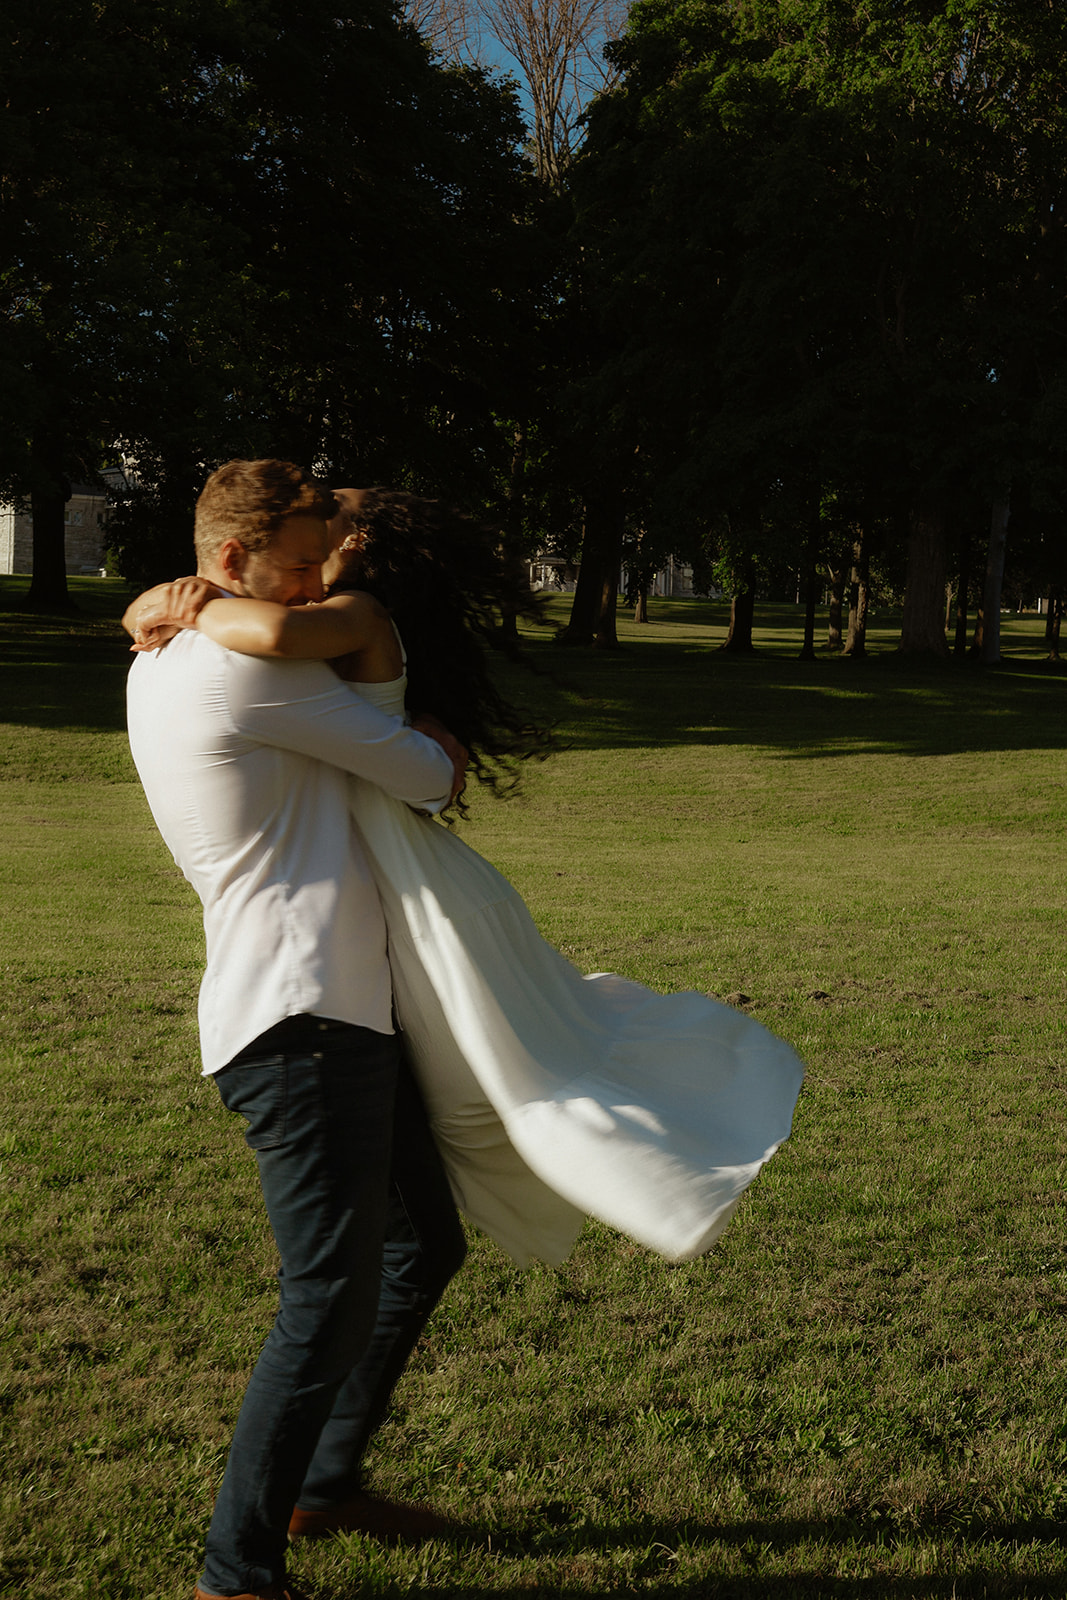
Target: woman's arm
[[348, 624], [345, 624], [158, 614]]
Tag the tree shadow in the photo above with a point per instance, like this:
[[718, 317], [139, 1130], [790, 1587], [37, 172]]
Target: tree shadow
[[679, 694], [983, 1585], [70, 671], [64, 669], [782, 1535], [652, 1545]]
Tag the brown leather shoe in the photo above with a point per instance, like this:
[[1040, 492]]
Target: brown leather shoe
[[270, 1593], [368, 1513]]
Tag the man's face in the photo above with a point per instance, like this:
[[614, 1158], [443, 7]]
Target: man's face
[[290, 570]]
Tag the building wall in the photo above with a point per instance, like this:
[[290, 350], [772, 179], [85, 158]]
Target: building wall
[[86, 535], [548, 572], [7, 539]]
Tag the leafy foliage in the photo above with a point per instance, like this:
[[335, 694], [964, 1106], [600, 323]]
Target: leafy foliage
[[827, 253], [250, 232]]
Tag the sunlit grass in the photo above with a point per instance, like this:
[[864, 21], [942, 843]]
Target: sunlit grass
[[861, 1391]]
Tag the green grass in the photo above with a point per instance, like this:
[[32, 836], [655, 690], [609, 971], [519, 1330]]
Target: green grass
[[861, 1391]]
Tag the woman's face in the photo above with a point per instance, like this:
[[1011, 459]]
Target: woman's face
[[340, 529]]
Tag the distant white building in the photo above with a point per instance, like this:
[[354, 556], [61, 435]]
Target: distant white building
[[676, 578], [85, 519], [549, 572]]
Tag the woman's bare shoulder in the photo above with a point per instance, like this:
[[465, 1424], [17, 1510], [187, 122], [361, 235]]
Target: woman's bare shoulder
[[358, 603]]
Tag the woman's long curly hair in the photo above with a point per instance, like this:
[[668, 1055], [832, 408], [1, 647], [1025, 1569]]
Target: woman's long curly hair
[[442, 577]]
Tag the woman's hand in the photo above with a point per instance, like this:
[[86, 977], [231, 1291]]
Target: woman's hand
[[159, 613], [459, 757]]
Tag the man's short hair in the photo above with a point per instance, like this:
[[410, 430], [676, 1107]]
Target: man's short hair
[[249, 500]]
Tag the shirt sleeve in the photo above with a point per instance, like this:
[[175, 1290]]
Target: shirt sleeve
[[304, 706]]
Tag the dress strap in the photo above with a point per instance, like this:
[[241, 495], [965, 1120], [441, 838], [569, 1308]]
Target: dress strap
[[400, 642]]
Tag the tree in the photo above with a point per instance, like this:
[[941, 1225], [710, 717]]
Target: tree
[[859, 593], [556, 50], [720, 404], [818, 224], [556, 46], [592, 618], [116, 114], [267, 234]]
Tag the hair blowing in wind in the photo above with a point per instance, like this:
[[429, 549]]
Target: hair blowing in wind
[[442, 577]]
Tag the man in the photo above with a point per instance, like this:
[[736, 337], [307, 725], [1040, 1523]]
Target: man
[[245, 763]]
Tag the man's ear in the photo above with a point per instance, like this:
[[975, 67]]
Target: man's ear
[[232, 558]]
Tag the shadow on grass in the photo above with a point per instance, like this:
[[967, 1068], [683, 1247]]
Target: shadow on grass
[[646, 1549], [669, 686], [670, 693], [980, 1586], [767, 1534], [65, 669]]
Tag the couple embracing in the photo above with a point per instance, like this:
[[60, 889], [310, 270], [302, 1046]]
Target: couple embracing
[[297, 791]]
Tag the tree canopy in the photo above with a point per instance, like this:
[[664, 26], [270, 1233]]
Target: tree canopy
[[797, 300], [829, 252], [230, 229]]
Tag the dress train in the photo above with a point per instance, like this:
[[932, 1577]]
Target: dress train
[[553, 1095]]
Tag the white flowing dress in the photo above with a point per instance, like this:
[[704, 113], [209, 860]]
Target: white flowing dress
[[552, 1095]]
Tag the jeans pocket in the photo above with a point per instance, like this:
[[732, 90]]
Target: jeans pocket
[[258, 1090]]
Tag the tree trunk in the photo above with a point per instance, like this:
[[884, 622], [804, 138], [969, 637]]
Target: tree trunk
[[858, 596], [640, 577], [601, 548], [509, 622], [837, 596], [994, 579], [1055, 611], [959, 645], [607, 637], [48, 499], [923, 625], [811, 557], [979, 631], [742, 612], [581, 627]]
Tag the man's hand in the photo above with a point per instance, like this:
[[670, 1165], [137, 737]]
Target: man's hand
[[159, 613], [452, 748]]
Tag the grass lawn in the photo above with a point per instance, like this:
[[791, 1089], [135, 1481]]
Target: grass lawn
[[860, 1391]]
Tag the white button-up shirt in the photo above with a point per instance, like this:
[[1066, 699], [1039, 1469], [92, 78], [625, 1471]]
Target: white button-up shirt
[[245, 763]]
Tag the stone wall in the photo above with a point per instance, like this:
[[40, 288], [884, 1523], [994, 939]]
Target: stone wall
[[86, 530]]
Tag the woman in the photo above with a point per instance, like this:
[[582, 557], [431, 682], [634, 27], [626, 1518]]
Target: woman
[[551, 1095]]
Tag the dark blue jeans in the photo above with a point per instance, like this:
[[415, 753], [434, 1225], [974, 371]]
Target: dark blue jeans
[[368, 1237]]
